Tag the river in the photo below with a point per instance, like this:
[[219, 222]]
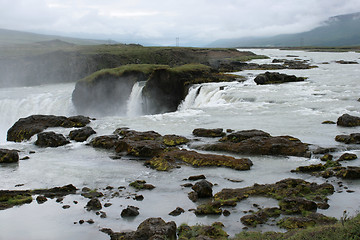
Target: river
[[295, 109]]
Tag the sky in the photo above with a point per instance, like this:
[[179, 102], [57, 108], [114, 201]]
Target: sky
[[194, 22]]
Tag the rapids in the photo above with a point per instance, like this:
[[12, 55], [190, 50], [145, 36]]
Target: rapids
[[295, 109]]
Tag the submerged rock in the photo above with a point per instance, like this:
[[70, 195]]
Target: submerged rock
[[25, 128], [347, 120], [50, 139], [275, 78], [9, 156]]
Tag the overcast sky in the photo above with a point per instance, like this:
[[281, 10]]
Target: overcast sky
[[161, 21]]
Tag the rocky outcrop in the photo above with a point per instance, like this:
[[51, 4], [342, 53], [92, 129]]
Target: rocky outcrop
[[8, 156], [25, 128], [353, 138], [347, 120], [172, 159], [151, 228], [275, 78], [259, 143], [50, 139]]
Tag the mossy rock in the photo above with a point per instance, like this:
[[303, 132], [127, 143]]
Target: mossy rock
[[215, 231], [9, 156], [174, 140], [141, 185], [8, 199], [306, 221], [347, 157]]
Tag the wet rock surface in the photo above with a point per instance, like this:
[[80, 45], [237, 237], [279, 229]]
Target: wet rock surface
[[25, 128], [202, 132], [276, 78], [81, 135], [8, 156], [347, 120], [51, 139]]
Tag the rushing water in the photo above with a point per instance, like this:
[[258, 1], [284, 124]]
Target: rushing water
[[296, 109]]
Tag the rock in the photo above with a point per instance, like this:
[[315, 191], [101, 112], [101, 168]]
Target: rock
[[275, 77], [141, 184], [66, 206], [80, 135], [92, 194], [349, 172], [8, 156], [262, 145], [25, 128], [8, 198], [347, 157], [130, 211], [202, 132], [174, 140], [50, 139], [260, 217], [297, 205], [203, 189], [309, 220], [133, 135], [177, 212], [243, 135], [346, 62], [328, 122], [197, 177], [94, 204], [327, 157], [171, 159], [353, 138], [193, 196], [41, 199], [226, 213], [210, 208], [107, 205], [203, 232], [106, 142], [56, 191], [141, 148], [347, 120]]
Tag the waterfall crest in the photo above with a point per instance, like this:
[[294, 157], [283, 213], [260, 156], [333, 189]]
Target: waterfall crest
[[135, 101]]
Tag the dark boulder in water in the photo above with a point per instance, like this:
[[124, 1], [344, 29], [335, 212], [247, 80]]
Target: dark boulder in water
[[203, 189], [202, 132], [8, 156], [258, 142], [347, 120], [80, 135], [25, 128], [275, 77], [50, 139]]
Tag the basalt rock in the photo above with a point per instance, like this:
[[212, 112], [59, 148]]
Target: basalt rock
[[347, 157], [8, 198], [25, 128], [171, 159], [347, 120], [177, 211], [203, 189], [9, 156], [50, 139], [202, 132], [297, 205], [259, 143], [260, 217], [80, 135], [94, 204], [106, 142], [309, 220], [203, 232], [130, 211], [353, 138], [275, 78]]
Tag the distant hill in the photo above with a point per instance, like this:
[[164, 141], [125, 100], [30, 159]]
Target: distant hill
[[342, 30], [11, 37]]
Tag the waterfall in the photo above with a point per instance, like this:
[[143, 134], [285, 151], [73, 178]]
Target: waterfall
[[21, 102], [135, 102]]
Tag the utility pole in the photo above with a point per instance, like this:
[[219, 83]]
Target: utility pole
[[177, 41]]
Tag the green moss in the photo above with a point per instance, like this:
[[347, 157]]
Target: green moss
[[208, 209], [9, 199], [141, 184], [214, 231]]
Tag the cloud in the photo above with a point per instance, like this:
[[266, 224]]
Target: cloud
[[160, 20]]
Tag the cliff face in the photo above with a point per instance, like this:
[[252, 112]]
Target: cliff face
[[106, 92]]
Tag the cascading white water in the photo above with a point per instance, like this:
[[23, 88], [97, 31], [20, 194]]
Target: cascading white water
[[46, 99], [134, 104]]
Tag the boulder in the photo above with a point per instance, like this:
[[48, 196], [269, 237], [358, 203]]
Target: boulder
[[243, 135], [260, 145], [353, 138], [80, 135], [297, 205], [8, 156], [25, 128], [177, 212], [106, 142], [130, 211], [347, 120], [347, 157], [50, 139], [349, 172], [94, 204], [203, 189], [202, 132], [275, 77], [155, 228]]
